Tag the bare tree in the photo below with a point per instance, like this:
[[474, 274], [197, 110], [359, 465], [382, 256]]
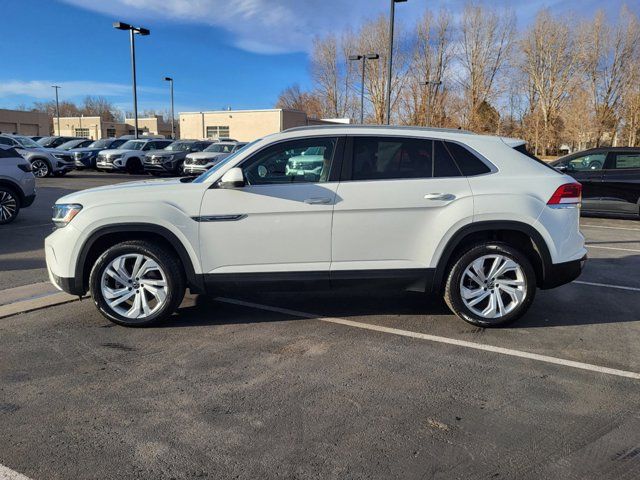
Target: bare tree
[[424, 104], [328, 71], [549, 64], [295, 99], [606, 56], [487, 38]]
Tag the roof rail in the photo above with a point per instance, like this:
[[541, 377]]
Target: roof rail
[[381, 127]]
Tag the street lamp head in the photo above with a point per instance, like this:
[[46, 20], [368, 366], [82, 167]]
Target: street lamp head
[[372, 56], [355, 57], [142, 31], [399, 1], [168, 79], [121, 26]]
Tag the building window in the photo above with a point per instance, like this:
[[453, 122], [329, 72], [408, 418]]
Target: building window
[[217, 132], [82, 132], [111, 132]]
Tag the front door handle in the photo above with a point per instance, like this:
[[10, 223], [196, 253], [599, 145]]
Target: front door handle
[[318, 201], [440, 196]]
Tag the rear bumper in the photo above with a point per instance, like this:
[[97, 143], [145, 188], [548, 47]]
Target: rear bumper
[[28, 200], [562, 273]]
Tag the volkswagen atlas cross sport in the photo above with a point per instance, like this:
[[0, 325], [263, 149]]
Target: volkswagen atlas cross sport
[[463, 215]]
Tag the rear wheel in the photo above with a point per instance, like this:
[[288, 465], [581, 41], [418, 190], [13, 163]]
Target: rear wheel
[[9, 205], [490, 284], [41, 168], [137, 283]]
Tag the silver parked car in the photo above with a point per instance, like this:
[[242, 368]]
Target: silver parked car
[[45, 161], [17, 184], [199, 162]]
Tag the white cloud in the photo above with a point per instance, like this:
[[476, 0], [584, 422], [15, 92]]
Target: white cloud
[[42, 89], [260, 26]]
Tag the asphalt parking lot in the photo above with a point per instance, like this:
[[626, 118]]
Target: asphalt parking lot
[[331, 385]]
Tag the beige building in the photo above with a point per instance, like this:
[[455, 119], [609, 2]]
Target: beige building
[[24, 123], [242, 125], [97, 128]]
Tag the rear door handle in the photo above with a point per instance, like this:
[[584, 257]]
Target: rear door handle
[[440, 196], [318, 201]]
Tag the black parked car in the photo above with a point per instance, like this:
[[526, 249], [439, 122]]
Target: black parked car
[[610, 178], [55, 141], [87, 157]]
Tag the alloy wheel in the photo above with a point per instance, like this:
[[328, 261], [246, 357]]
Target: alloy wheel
[[8, 206], [134, 286], [40, 168], [492, 286]]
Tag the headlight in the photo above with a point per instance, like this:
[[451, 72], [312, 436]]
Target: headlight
[[63, 213], [59, 156], [167, 159]]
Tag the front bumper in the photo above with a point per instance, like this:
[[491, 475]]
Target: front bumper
[[106, 166], [166, 167], [84, 162], [562, 273], [60, 166]]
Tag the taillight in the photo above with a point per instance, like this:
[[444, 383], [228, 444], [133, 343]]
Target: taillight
[[567, 195]]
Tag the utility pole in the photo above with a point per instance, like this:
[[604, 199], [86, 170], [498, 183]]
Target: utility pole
[[390, 58], [57, 107], [370, 56], [173, 127]]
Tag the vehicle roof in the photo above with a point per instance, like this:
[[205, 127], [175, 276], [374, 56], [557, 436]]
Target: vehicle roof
[[378, 127]]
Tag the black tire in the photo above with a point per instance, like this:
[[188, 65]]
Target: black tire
[[9, 205], [168, 262], [41, 167], [134, 166], [453, 294]]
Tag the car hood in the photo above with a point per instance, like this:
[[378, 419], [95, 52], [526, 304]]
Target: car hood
[[200, 155], [149, 189], [42, 149], [85, 149], [164, 153], [112, 151]]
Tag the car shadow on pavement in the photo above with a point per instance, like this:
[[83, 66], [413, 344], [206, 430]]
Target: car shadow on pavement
[[568, 305]]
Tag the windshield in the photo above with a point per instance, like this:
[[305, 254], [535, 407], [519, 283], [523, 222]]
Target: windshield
[[44, 140], [219, 148], [217, 166], [132, 145], [99, 144], [70, 144], [179, 147], [26, 142]]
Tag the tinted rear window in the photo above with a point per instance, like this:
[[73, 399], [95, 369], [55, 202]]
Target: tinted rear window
[[467, 162], [523, 149]]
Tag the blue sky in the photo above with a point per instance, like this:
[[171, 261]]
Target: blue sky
[[221, 53]]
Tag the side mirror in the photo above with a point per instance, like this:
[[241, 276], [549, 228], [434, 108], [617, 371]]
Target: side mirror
[[234, 178], [562, 168]]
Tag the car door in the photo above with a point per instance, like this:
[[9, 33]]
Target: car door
[[621, 183], [278, 226], [397, 198], [588, 169]]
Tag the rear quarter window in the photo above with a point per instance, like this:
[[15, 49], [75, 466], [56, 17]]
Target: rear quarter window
[[467, 162]]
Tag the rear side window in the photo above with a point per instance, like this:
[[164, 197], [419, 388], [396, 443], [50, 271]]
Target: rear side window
[[9, 153], [467, 162], [389, 158], [627, 160]]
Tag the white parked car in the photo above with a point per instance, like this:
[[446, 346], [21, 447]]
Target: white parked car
[[129, 156], [436, 211]]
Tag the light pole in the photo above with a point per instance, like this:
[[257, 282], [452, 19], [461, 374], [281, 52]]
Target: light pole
[[429, 83], [364, 58], [140, 31], [390, 60], [173, 128], [57, 107]]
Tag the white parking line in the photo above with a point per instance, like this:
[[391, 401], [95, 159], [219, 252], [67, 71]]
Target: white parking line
[[8, 474], [434, 338], [613, 248], [619, 287], [609, 228]]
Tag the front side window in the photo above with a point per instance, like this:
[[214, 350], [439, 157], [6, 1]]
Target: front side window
[[179, 147], [627, 160], [594, 161], [306, 160]]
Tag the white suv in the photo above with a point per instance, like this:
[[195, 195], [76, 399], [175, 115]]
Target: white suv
[[468, 216]]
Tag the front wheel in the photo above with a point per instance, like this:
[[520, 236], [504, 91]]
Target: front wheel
[[137, 283], [40, 168], [490, 284]]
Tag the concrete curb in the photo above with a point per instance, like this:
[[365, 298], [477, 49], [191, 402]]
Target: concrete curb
[[37, 303]]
